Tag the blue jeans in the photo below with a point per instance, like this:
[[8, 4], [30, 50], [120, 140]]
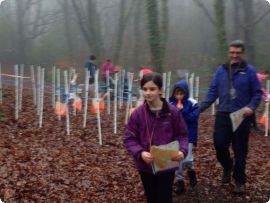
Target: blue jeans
[[224, 137], [186, 163]]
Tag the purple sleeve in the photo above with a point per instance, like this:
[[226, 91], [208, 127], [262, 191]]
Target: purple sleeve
[[180, 132], [131, 137]]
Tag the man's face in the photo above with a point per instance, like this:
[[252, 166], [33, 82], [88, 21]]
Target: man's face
[[236, 54]]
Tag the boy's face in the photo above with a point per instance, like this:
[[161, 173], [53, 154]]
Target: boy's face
[[179, 94]]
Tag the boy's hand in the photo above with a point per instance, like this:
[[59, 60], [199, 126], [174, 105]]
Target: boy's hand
[[178, 157], [147, 157]]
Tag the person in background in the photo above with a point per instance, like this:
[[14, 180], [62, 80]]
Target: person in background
[[91, 66], [237, 87], [107, 66], [262, 76], [156, 122], [190, 111]]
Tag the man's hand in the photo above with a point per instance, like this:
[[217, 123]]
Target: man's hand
[[178, 157], [147, 157], [248, 112]]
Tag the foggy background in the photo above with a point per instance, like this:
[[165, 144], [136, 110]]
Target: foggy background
[[161, 34]]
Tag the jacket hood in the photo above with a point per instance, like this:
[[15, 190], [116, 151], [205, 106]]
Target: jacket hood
[[182, 84]]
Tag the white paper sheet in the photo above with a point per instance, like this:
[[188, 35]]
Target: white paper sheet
[[237, 118], [162, 156]]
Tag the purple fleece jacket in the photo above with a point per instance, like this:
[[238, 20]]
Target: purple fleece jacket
[[168, 126]]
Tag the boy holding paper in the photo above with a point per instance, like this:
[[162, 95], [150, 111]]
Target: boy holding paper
[[190, 111], [237, 87]]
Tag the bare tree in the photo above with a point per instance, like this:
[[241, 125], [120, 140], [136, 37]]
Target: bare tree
[[125, 14], [89, 24], [158, 31], [220, 30], [29, 28], [65, 7]]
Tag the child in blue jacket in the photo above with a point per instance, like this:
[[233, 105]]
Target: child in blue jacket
[[190, 111]]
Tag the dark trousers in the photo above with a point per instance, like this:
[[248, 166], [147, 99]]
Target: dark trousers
[[158, 188], [223, 137]]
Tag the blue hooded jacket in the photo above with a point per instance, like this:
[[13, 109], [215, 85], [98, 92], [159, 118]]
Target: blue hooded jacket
[[190, 111], [242, 79]]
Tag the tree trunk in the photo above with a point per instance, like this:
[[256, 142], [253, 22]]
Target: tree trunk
[[236, 20], [249, 30], [220, 31], [20, 32], [65, 7], [155, 36]]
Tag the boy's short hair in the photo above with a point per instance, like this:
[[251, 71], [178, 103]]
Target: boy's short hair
[[178, 89], [92, 57]]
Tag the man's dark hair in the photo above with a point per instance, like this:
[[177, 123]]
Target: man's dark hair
[[92, 57], [238, 43]]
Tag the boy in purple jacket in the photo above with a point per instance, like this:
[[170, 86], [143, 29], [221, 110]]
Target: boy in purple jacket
[[190, 111], [156, 122]]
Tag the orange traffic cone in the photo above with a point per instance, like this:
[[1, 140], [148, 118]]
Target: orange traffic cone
[[60, 109], [77, 104], [263, 120], [94, 104]]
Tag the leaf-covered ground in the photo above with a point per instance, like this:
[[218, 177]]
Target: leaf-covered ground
[[46, 165]]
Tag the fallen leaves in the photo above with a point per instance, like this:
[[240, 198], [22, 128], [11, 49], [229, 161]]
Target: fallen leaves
[[46, 165]]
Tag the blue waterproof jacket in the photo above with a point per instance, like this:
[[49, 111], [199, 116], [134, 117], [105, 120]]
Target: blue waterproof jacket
[[91, 68], [190, 111], [236, 86]]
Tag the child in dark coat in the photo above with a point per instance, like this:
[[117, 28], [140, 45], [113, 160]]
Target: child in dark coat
[[190, 111]]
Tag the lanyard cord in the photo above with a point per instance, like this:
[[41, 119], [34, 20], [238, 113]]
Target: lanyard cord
[[150, 136]]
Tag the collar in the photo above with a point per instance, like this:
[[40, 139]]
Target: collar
[[236, 67], [165, 110]]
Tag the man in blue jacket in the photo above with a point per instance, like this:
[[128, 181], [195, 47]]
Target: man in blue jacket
[[236, 86]]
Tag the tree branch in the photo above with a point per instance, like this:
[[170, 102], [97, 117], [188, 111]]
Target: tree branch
[[206, 12]]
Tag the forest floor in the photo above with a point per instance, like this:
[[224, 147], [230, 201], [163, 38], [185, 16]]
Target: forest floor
[[46, 165]]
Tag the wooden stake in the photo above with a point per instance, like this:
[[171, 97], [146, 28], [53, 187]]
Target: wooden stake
[[58, 82], [33, 85], [53, 86], [164, 77], [41, 96], [168, 85], [197, 81], [1, 93], [38, 89], [86, 97], [16, 69], [267, 107], [97, 110], [115, 102], [67, 101], [130, 82], [21, 86], [108, 92]]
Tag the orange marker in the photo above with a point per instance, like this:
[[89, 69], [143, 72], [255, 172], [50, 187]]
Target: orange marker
[[77, 104], [93, 106], [179, 104], [60, 109]]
